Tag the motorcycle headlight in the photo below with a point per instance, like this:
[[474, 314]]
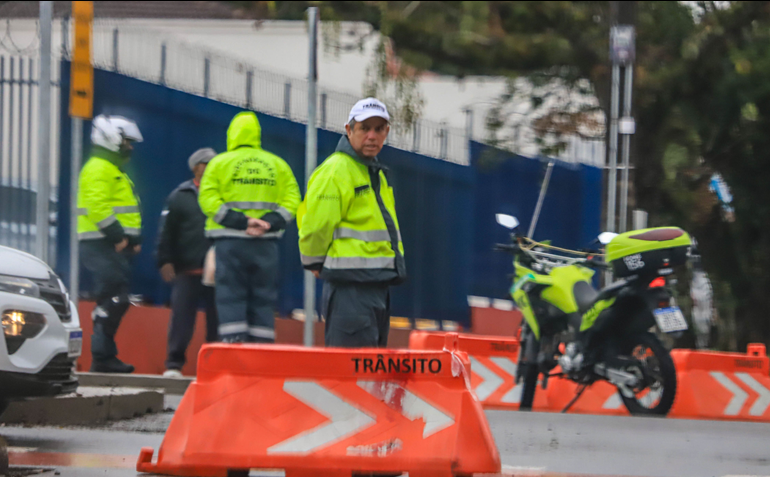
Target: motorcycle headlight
[[22, 324], [19, 286]]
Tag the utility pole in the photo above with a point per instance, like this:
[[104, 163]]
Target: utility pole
[[622, 54], [311, 152], [81, 107], [44, 132]]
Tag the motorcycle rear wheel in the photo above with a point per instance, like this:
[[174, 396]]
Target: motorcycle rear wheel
[[655, 396]]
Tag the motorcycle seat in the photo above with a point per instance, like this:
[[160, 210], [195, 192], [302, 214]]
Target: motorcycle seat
[[585, 296]]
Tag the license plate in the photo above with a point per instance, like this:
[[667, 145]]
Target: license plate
[[75, 344], [670, 320]]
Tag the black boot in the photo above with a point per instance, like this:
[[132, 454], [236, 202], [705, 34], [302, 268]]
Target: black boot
[[112, 365]]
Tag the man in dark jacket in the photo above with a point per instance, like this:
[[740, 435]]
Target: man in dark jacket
[[182, 249]]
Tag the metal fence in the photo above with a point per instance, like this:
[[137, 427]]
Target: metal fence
[[19, 152], [147, 55]]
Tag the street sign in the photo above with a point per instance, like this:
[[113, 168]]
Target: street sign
[[82, 72], [622, 44]]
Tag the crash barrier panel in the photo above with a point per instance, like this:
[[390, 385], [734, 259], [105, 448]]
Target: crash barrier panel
[[731, 386], [710, 385], [493, 367], [326, 412]]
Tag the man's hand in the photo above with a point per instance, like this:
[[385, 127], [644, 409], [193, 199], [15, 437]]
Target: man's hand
[[257, 227], [316, 273], [167, 273], [120, 246], [137, 248]]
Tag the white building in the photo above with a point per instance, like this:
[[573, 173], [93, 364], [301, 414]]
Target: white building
[[250, 62]]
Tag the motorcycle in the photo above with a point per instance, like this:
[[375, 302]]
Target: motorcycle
[[572, 331]]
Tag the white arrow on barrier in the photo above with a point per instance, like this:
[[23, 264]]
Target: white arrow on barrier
[[411, 406], [763, 401], [346, 420], [739, 395], [491, 380], [514, 395], [613, 402]]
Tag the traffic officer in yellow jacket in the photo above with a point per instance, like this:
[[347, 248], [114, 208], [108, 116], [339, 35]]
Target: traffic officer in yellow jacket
[[349, 234], [249, 196], [109, 231]]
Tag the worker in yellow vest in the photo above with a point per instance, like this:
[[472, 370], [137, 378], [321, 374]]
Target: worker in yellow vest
[[110, 231], [349, 234], [249, 196]]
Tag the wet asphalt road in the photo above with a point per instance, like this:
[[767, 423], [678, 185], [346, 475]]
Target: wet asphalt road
[[529, 443]]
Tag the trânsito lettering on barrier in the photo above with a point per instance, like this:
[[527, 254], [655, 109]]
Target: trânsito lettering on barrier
[[397, 365]]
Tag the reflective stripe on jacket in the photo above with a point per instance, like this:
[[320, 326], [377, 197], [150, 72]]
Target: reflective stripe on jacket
[[247, 181], [105, 197], [348, 224]]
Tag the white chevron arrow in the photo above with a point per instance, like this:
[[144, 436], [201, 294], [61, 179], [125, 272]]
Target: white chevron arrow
[[346, 420], [763, 401], [412, 406], [491, 380], [739, 395], [514, 395], [613, 402]]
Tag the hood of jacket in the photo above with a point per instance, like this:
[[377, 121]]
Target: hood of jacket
[[244, 130]]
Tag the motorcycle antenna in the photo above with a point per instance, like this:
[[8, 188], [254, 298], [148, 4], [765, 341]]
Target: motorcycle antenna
[[541, 198]]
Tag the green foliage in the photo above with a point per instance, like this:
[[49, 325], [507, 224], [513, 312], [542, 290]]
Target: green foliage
[[701, 103]]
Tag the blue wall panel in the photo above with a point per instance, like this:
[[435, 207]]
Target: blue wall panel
[[446, 211], [510, 184], [434, 198]]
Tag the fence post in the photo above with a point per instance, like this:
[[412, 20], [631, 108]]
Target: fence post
[[323, 110], [2, 109], [30, 96], [287, 100], [206, 73], [12, 218], [115, 50], [249, 81], [469, 132], [444, 141], [163, 63], [65, 36], [44, 133], [415, 136]]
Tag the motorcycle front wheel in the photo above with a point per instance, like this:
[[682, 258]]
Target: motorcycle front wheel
[[652, 364]]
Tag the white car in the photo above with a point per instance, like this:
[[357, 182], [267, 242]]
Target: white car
[[42, 338]]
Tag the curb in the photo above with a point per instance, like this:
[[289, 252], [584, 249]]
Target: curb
[[146, 381], [90, 405]]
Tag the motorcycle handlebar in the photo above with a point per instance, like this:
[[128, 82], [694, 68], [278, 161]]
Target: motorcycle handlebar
[[502, 247]]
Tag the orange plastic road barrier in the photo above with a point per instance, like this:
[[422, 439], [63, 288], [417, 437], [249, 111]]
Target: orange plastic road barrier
[[327, 412], [493, 367], [723, 385], [710, 385]]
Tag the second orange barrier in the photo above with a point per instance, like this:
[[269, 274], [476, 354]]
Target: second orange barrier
[[711, 385]]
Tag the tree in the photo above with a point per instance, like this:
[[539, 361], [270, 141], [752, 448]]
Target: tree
[[701, 101]]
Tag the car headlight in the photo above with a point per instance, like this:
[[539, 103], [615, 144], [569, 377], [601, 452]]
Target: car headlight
[[19, 286], [22, 324]]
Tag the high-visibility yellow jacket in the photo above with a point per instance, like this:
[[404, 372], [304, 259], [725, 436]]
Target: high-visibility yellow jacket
[[348, 227], [107, 205], [247, 181]]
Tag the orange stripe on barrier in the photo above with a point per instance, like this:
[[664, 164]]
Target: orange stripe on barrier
[[328, 412]]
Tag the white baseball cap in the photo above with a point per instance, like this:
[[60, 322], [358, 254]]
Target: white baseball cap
[[368, 108]]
